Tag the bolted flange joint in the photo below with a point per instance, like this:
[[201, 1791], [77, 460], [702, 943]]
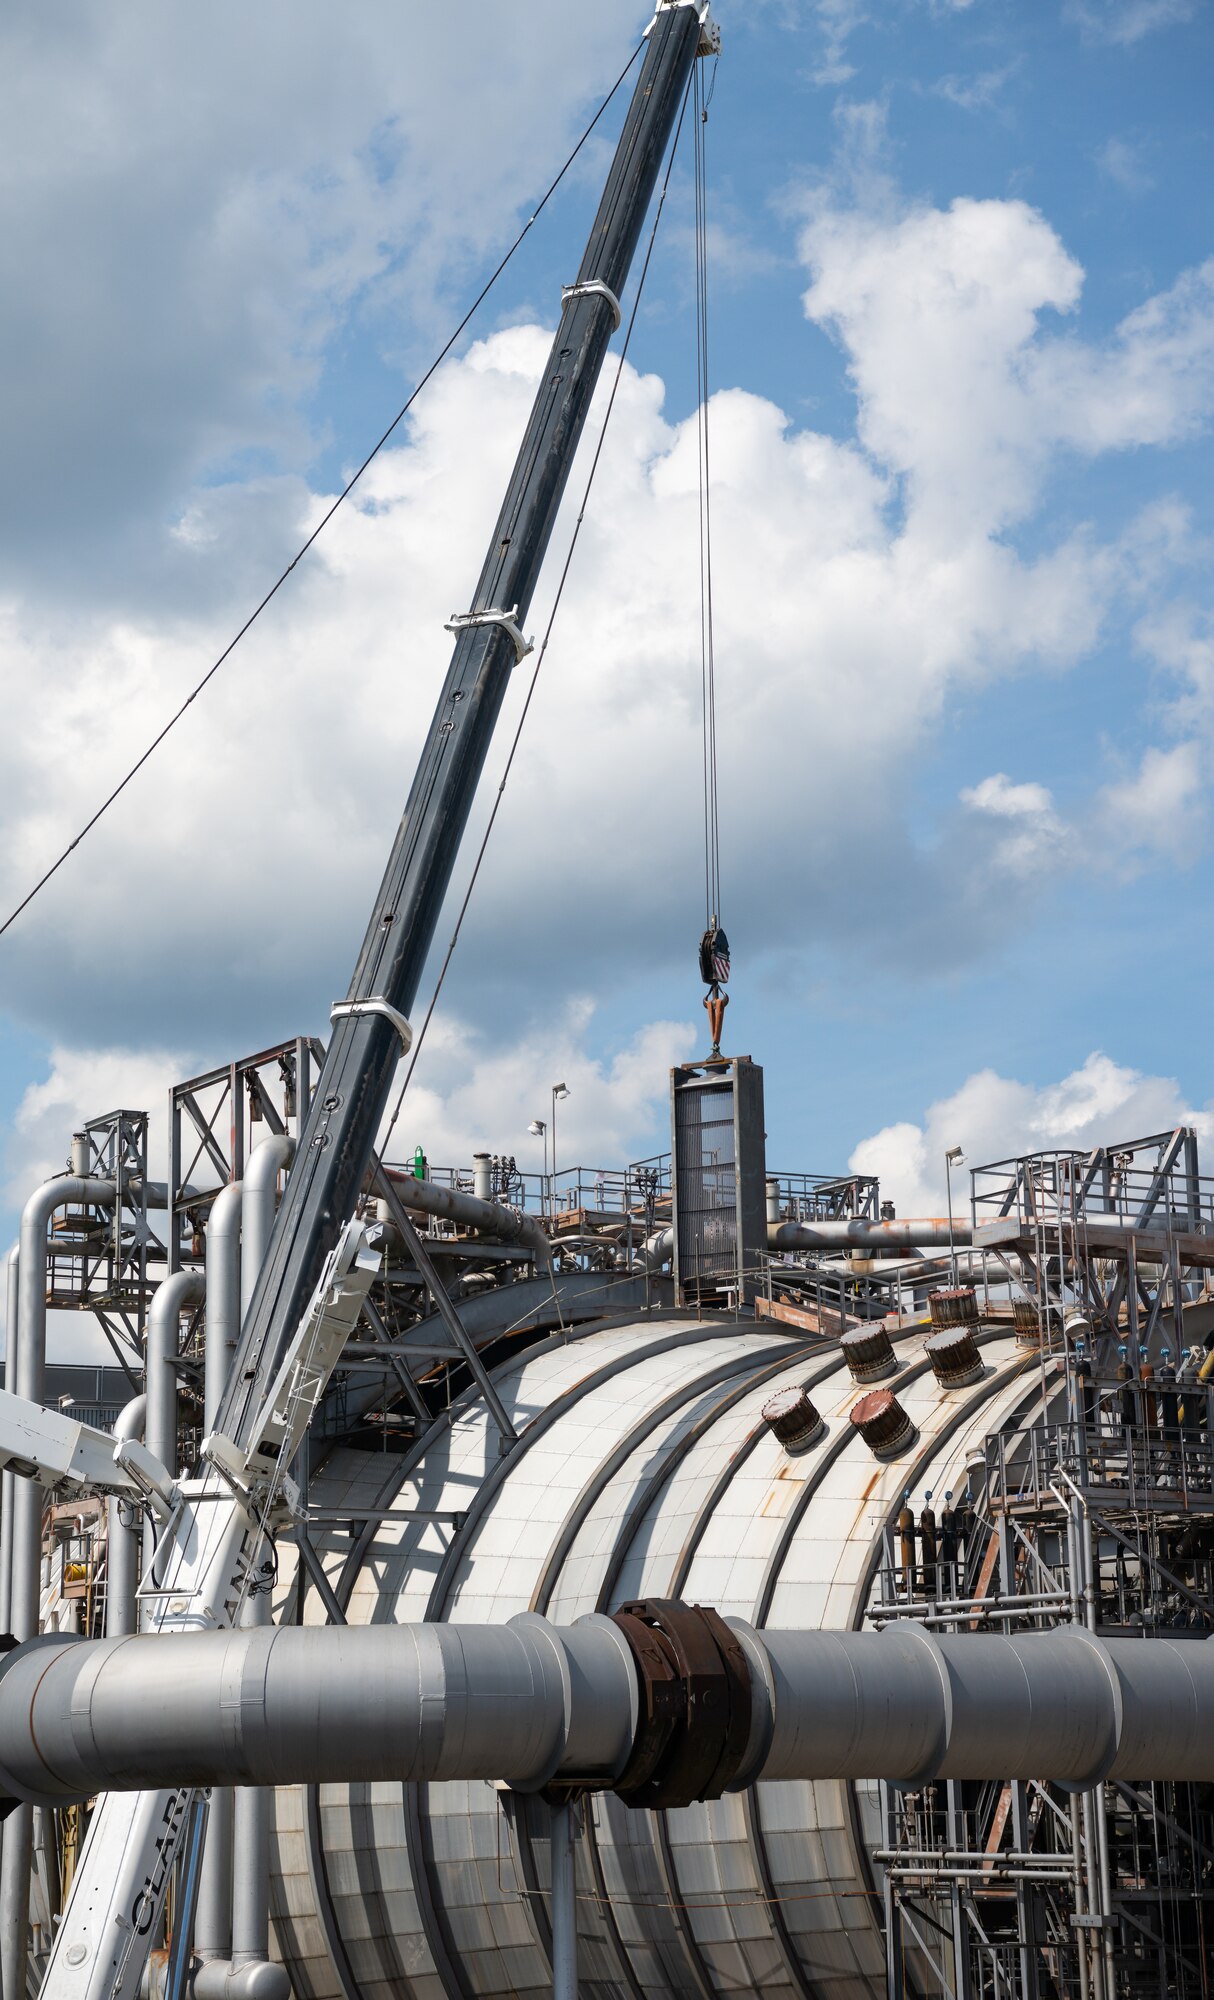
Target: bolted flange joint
[[695, 1710]]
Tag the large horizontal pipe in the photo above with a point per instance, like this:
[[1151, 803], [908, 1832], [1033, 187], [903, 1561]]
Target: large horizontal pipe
[[529, 1702], [924, 1232], [492, 1218]]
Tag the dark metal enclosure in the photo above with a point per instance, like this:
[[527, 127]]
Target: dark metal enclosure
[[719, 1182]]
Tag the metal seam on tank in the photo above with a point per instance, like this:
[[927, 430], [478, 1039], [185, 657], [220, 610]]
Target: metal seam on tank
[[403, 1469], [318, 1860], [681, 1449], [719, 1486], [575, 1518], [351, 1570], [571, 1526], [755, 1831], [539, 1427], [767, 1590], [322, 1896], [587, 1499], [418, 1843], [990, 1388], [607, 1469], [623, 1544], [781, 1934]]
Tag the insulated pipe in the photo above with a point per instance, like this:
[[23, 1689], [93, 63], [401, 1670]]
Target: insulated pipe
[[184, 1288], [563, 1871], [12, 1270], [25, 1372], [259, 1204], [907, 1233], [266, 1705], [532, 1703], [494, 1218], [248, 1974], [213, 1912], [223, 1300], [122, 1542], [656, 1250], [251, 1975]]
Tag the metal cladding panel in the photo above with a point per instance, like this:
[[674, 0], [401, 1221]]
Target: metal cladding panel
[[764, 1893]]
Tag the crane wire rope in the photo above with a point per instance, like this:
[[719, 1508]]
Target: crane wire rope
[[420, 1037], [712, 836], [326, 517]]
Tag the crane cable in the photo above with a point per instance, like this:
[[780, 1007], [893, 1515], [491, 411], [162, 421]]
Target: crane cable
[[420, 1036], [714, 945], [712, 837], [326, 517]]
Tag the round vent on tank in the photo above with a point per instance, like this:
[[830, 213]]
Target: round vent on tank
[[957, 1306], [869, 1354], [955, 1359], [883, 1423], [791, 1417]]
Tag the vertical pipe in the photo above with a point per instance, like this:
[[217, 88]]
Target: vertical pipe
[[7, 1479], [259, 1203], [177, 1968], [251, 1847], [250, 1867], [564, 1903], [27, 1377], [122, 1541], [223, 1297], [184, 1288], [213, 1918], [213, 1921]]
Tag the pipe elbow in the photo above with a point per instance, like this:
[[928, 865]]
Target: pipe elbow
[[223, 1222], [257, 1979], [655, 1251], [266, 1161]]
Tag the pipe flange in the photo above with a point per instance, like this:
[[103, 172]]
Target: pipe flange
[[695, 1692]]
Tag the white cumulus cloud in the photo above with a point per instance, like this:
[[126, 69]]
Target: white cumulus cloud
[[995, 1117]]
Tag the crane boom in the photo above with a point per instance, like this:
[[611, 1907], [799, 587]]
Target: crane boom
[[317, 1270], [349, 1102]]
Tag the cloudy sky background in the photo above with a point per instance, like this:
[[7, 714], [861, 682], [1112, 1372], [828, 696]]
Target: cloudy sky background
[[963, 370]]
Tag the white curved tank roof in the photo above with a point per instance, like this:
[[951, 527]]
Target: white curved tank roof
[[643, 1470]]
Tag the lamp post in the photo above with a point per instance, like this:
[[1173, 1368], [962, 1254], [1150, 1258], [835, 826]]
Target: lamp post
[[559, 1090], [539, 1130], [952, 1158]]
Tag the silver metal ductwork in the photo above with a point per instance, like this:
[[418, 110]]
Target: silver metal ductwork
[[532, 1704]]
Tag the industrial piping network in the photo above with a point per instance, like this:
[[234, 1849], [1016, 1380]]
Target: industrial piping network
[[663, 1703]]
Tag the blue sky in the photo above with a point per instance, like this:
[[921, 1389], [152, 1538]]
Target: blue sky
[[963, 374]]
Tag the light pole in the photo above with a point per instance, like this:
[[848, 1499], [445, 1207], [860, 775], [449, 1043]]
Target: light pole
[[539, 1130], [559, 1090], [952, 1158]]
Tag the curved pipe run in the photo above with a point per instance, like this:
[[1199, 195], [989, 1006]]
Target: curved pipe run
[[184, 1288], [493, 1218], [532, 1703], [223, 1297], [924, 1232], [927, 1232], [25, 1371], [259, 1204]]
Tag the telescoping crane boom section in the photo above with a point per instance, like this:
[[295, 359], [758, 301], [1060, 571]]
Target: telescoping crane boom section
[[336, 1144], [315, 1271]]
